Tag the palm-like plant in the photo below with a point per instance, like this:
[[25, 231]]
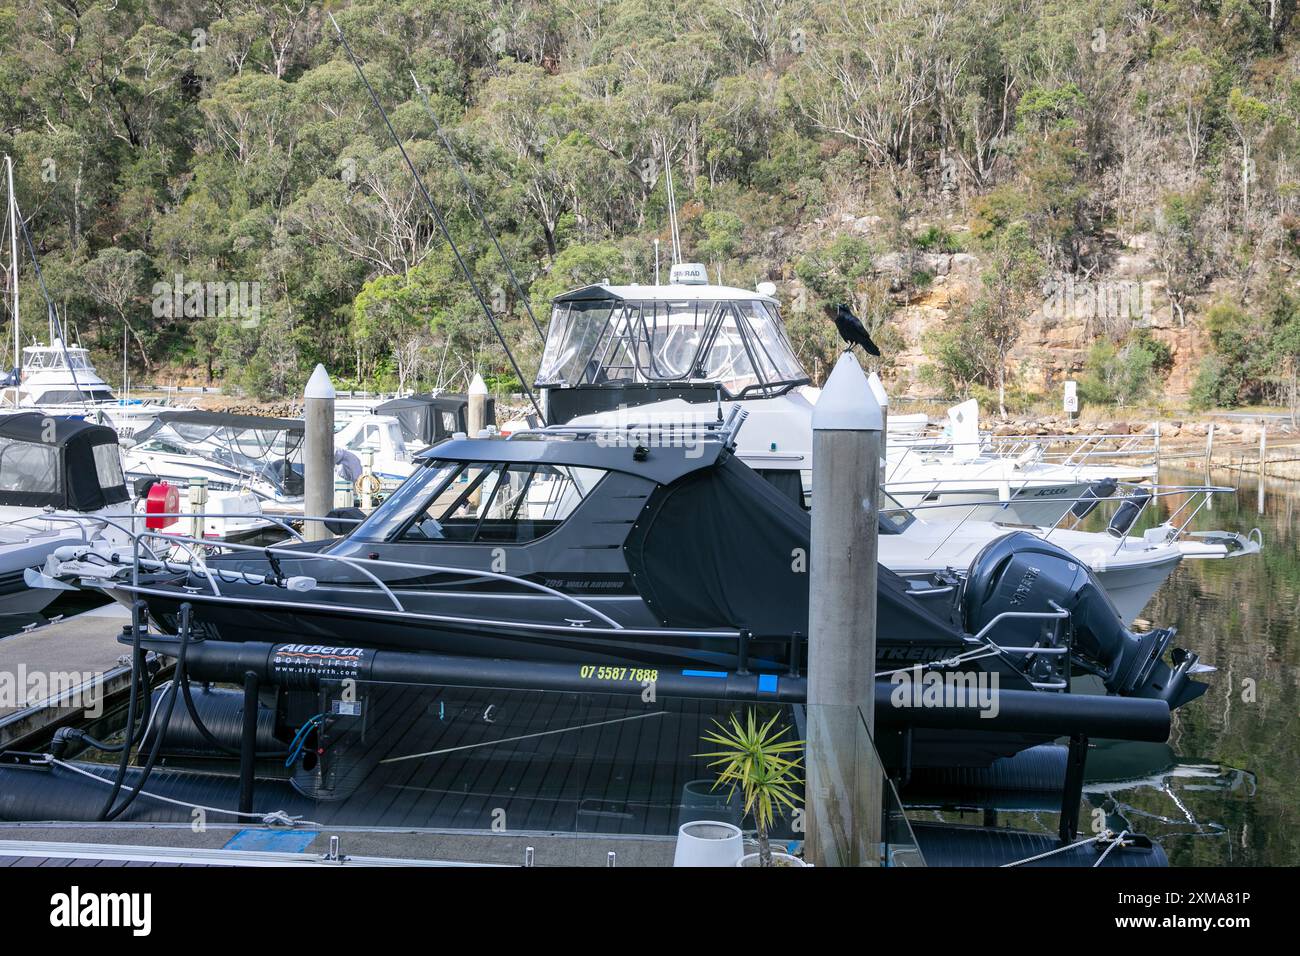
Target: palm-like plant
[[756, 759]]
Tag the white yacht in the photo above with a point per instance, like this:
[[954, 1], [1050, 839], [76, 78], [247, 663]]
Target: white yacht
[[653, 357], [59, 379]]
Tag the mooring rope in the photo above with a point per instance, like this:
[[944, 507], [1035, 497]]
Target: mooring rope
[[273, 818], [1103, 837]]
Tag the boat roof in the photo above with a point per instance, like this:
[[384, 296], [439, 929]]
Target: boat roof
[[34, 427], [663, 462], [56, 346], [675, 292], [229, 420]]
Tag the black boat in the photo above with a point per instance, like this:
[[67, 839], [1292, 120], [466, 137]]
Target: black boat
[[567, 545]]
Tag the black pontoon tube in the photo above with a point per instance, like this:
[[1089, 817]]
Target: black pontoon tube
[[305, 666]]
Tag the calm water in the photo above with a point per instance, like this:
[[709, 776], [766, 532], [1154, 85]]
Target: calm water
[[1231, 794], [1225, 790]]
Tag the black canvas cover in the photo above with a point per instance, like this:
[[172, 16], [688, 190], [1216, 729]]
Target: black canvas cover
[[721, 547], [59, 462], [427, 419]]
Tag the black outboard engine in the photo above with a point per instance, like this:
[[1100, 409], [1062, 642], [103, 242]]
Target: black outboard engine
[[1022, 572]]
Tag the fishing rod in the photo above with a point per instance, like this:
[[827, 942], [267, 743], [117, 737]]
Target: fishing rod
[[442, 224], [478, 209]]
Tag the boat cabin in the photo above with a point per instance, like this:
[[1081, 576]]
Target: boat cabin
[[626, 345], [428, 419], [59, 374], [62, 463]]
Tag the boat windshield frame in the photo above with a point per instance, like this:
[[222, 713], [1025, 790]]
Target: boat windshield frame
[[737, 345]]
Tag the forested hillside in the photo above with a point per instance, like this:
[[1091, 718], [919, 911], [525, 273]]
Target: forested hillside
[[1010, 191]]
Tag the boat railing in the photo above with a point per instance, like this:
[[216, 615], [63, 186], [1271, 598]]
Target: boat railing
[[115, 521], [200, 551], [1084, 448], [1197, 496], [1081, 448], [723, 430]]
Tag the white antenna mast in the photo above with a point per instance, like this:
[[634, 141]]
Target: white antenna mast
[[672, 211]]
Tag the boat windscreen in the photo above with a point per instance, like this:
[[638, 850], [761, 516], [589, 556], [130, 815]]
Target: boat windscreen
[[480, 502], [739, 344]]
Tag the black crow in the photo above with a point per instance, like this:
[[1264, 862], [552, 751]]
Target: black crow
[[852, 330]]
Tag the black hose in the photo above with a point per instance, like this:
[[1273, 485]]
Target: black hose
[[156, 749], [137, 665]]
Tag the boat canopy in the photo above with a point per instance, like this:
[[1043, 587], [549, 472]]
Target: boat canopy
[[59, 462], [721, 545], [620, 335], [269, 448], [428, 419], [43, 358]]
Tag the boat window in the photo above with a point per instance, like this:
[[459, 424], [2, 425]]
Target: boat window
[[480, 502], [29, 467], [503, 504], [894, 518], [575, 330], [367, 439], [108, 466], [403, 505], [739, 344]]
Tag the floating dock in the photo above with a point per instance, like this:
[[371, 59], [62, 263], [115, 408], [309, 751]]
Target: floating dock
[[53, 670]]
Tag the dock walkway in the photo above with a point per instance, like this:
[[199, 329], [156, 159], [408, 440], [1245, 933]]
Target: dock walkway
[[49, 674]]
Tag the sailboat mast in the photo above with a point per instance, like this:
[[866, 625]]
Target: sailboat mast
[[13, 255]]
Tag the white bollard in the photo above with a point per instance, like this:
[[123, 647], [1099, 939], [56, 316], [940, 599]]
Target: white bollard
[[478, 396], [318, 453], [843, 802]]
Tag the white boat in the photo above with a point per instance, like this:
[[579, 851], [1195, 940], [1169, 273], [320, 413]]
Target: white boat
[[259, 455], [651, 359], [61, 484], [232, 453], [1130, 567], [59, 379], [380, 446]]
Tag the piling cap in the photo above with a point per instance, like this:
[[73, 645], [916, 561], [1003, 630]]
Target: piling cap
[[878, 390], [846, 402], [478, 386], [319, 385]]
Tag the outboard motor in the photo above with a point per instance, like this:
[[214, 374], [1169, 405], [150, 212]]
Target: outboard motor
[[1092, 496], [1022, 572]]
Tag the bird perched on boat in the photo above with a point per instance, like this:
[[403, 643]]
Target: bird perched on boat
[[852, 330]]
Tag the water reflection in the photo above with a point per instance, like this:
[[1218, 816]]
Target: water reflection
[[1225, 789], [1236, 767]]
